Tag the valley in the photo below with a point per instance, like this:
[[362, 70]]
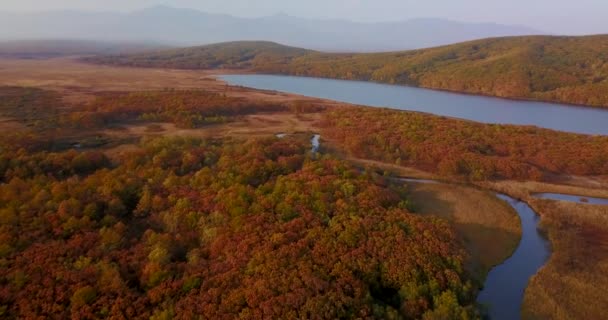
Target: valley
[[183, 171]]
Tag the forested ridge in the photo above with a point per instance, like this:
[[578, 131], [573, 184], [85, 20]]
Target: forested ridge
[[221, 230], [465, 149], [548, 68]]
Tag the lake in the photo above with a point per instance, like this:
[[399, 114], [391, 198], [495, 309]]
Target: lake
[[483, 109]]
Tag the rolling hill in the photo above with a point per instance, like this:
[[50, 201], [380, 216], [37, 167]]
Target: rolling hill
[[562, 69]]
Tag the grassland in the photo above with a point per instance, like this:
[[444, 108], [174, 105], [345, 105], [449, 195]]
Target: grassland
[[573, 283], [562, 69], [490, 228]]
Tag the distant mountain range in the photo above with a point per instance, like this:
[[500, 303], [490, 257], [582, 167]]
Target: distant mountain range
[[182, 27]]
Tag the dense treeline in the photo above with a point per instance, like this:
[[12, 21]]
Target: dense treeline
[[221, 230], [562, 69], [462, 148]]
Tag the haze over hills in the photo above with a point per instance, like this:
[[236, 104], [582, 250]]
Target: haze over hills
[[191, 27], [562, 69], [56, 48]]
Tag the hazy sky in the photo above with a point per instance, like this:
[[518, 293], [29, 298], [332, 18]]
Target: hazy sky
[[555, 16]]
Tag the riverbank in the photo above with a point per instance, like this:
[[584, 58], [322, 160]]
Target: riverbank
[[577, 271], [488, 110]]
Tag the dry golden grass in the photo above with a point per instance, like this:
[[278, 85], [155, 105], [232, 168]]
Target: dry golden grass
[[78, 82], [258, 125], [574, 283], [490, 227], [524, 190]]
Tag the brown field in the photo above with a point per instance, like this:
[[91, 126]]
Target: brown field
[[9, 125], [490, 228], [78, 81], [259, 125], [572, 285]]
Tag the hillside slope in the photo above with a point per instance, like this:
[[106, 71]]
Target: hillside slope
[[231, 55], [561, 69]]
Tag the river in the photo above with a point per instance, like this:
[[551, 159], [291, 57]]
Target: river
[[503, 291]]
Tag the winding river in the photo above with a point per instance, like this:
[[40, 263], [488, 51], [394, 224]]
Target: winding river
[[503, 291], [505, 285], [477, 108]]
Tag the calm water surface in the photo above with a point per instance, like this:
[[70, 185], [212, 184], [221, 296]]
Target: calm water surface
[[571, 198], [503, 291], [316, 143], [477, 108]]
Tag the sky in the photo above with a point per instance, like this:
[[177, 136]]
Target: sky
[[552, 16]]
